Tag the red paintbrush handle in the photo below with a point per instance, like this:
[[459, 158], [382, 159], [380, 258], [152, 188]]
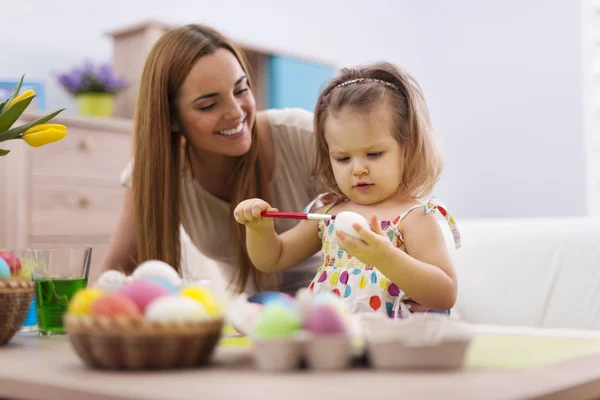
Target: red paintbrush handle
[[289, 215], [296, 215]]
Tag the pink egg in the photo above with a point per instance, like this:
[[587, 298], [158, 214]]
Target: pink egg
[[114, 305], [324, 319], [142, 292]]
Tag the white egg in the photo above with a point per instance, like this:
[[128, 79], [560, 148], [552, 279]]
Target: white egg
[[111, 280], [304, 301], [345, 220], [157, 269], [112, 276], [176, 309]]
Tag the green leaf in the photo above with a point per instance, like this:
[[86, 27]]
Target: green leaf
[[15, 132], [4, 152], [8, 118], [13, 95]]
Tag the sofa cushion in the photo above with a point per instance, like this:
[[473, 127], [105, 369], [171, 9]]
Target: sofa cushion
[[533, 272]]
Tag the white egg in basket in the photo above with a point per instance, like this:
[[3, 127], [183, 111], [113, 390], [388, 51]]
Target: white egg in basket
[[157, 269]]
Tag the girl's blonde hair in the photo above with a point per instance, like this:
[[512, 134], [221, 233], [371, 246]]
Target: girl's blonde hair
[[382, 83], [157, 150]]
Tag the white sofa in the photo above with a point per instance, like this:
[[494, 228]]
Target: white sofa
[[529, 272], [533, 272]]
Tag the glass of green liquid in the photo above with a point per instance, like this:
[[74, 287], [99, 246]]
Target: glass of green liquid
[[59, 273]]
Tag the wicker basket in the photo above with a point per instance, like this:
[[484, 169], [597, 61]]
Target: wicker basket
[[15, 299], [123, 344]]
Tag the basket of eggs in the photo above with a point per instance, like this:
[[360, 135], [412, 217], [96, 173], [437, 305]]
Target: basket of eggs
[[149, 320], [16, 292]]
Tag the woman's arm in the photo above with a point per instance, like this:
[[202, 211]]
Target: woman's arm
[[122, 249]]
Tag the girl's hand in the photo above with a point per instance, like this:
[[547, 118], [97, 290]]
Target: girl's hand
[[248, 213], [373, 247]]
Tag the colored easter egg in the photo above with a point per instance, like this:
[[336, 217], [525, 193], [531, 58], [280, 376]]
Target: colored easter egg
[[80, 304], [334, 301], [264, 298], [277, 320], [143, 292], [4, 269], [204, 296], [157, 269], [172, 288], [13, 262], [175, 308], [324, 319], [113, 305]]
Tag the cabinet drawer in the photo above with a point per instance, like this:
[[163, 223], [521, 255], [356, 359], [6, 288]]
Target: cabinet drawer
[[74, 209], [84, 153]]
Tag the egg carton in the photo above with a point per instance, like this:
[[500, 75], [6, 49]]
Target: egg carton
[[319, 352], [422, 341]]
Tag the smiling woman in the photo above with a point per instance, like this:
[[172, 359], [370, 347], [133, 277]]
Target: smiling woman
[[201, 147], [216, 109]]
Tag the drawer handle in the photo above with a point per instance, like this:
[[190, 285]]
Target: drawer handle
[[83, 202], [83, 145]]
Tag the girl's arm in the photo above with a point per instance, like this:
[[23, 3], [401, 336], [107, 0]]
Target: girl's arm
[[268, 251], [427, 275]]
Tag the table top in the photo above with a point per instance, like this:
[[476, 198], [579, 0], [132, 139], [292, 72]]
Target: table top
[[32, 367]]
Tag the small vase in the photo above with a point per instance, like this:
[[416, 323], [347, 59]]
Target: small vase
[[96, 104]]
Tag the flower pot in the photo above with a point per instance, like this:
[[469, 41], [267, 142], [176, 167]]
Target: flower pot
[[96, 104]]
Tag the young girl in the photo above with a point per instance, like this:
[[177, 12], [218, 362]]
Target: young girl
[[376, 155]]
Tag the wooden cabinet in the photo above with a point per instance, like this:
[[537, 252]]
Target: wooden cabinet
[[66, 193]]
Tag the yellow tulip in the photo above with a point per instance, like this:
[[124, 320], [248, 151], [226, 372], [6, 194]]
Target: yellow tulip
[[22, 96], [42, 134]]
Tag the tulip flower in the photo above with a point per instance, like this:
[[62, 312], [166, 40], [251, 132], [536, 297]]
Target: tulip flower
[[22, 96], [42, 134], [35, 133]]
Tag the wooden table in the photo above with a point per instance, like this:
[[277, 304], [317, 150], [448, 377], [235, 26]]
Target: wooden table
[[34, 367]]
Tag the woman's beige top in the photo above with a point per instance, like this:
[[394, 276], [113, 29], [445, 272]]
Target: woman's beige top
[[206, 218]]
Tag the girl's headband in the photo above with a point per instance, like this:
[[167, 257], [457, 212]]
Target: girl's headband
[[360, 80]]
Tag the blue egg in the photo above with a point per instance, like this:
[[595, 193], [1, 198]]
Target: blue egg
[[4, 269], [164, 283], [264, 298]]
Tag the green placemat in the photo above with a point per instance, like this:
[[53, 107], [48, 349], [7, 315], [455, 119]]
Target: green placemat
[[520, 351], [230, 337], [241, 341], [500, 351]]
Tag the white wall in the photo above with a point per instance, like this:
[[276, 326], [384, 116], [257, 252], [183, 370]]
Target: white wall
[[503, 78], [61, 33], [504, 82]]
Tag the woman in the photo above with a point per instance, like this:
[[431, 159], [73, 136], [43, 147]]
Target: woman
[[200, 147]]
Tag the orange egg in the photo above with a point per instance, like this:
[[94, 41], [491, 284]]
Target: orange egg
[[114, 305]]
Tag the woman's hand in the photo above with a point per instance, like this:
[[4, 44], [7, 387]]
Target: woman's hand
[[248, 213]]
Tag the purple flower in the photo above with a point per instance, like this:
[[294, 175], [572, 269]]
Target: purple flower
[[91, 78]]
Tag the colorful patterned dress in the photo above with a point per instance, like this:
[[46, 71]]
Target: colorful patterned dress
[[362, 287]]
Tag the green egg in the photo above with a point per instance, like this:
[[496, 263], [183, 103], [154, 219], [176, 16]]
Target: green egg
[[277, 320]]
